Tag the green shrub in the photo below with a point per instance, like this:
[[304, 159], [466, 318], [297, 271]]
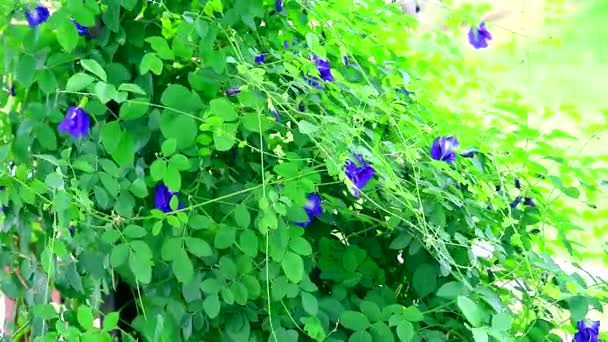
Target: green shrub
[[153, 143]]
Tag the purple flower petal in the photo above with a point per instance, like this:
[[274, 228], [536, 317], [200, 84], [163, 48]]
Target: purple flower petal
[[260, 59], [313, 209], [162, 198], [82, 30], [233, 91], [479, 36], [442, 149], [76, 123], [515, 203], [359, 175], [587, 331], [324, 69], [278, 5], [37, 16]]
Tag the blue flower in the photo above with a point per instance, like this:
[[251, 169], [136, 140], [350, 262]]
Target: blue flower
[[82, 30], [529, 201], [12, 91], [324, 69], [275, 113], [260, 59], [286, 44], [76, 123], [479, 36], [359, 175], [314, 82], [162, 198], [313, 209], [37, 16], [515, 203], [233, 91], [587, 331], [345, 61], [442, 149], [405, 91], [517, 183], [278, 5]]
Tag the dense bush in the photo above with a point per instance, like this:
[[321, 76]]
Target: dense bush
[[260, 171]]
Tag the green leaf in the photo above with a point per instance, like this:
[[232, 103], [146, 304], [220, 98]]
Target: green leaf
[[211, 305], [300, 245], [425, 279], [182, 267], [110, 321], [371, 310], [307, 128], [242, 216], [45, 311], [85, 318], [139, 188], [381, 332], [354, 320], [293, 266], [314, 328], [47, 81], [105, 92], [134, 109], [151, 62], [178, 97], [159, 44], [211, 286], [79, 81], [405, 331], [134, 232], [131, 88], [360, 336], [179, 162], [141, 266], [451, 290], [67, 35], [170, 249], [119, 255], [26, 67], [109, 132], [129, 4], [95, 68], [124, 154], [310, 303], [223, 108], [110, 184], [502, 321], [471, 311], [158, 169], [180, 127], [46, 136], [225, 237], [480, 334], [168, 147], [198, 247], [249, 243], [224, 137], [255, 122], [413, 314], [173, 179], [578, 306]]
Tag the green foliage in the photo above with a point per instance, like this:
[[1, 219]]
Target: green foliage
[[229, 264]]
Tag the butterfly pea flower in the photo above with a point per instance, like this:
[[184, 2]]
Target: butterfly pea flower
[[313, 209], [515, 202], [587, 331], [324, 69], [285, 44], [359, 175], [278, 5], [82, 30], [345, 61], [12, 91], [529, 201], [76, 123], [442, 149], [233, 91], [314, 82], [162, 198], [260, 59], [37, 16], [517, 184], [479, 36]]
